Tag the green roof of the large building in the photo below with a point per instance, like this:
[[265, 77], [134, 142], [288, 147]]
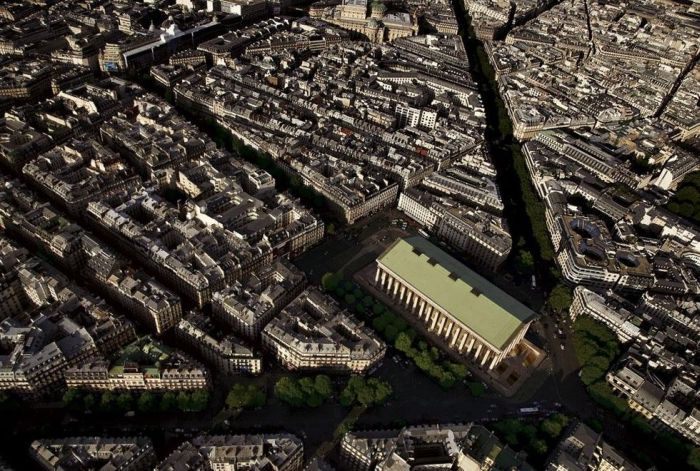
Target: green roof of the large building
[[477, 303]]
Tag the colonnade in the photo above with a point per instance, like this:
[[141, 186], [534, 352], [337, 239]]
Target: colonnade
[[457, 335]]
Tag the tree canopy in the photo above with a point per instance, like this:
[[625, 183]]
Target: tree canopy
[[366, 392], [304, 392]]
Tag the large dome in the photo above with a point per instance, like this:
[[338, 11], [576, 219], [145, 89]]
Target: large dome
[[378, 9]]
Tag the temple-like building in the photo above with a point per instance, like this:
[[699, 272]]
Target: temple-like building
[[472, 316]]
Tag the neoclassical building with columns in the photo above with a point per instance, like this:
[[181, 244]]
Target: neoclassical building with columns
[[474, 317]]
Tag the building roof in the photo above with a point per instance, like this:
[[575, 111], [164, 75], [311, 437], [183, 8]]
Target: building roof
[[470, 298]]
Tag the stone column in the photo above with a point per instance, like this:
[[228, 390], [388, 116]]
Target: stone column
[[478, 350], [396, 287], [409, 298], [441, 324], [461, 342], [376, 275], [428, 312], [389, 284], [493, 362], [383, 280], [402, 292], [455, 335], [420, 310], [434, 319], [470, 345], [449, 329], [485, 356]]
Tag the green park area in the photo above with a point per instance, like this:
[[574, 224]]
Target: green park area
[[538, 439], [596, 348]]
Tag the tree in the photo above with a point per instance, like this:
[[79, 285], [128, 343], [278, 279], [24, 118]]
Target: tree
[[458, 369], [553, 425], [382, 390], [390, 333], [560, 298], [330, 281], [168, 402], [434, 353], [305, 392], [381, 322], [365, 396], [89, 402], [591, 374], [524, 261], [403, 342], [183, 401], [596, 346], [236, 397], [288, 390], [258, 398], [399, 323], [509, 430], [348, 285], [124, 402], [199, 400], [347, 397], [106, 401], [311, 397], [447, 380], [323, 386], [365, 392], [248, 397], [539, 446], [424, 361], [601, 362], [71, 397], [147, 402], [694, 458], [601, 393]]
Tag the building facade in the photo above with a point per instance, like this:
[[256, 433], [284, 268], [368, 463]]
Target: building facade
[[472, 316]]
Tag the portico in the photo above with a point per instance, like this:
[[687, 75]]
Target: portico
[[451, 301]]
